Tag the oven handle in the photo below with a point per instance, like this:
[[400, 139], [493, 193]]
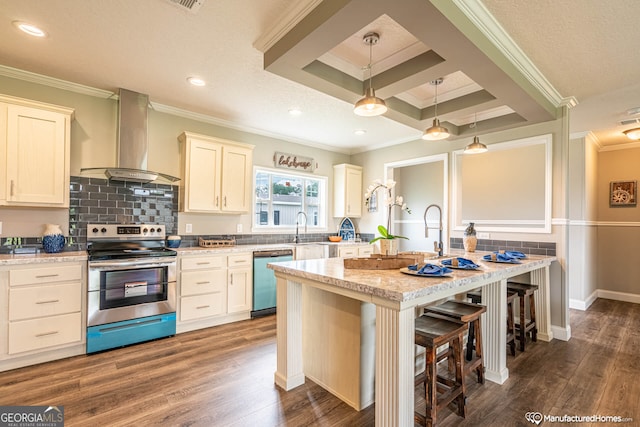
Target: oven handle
[[135, 263]]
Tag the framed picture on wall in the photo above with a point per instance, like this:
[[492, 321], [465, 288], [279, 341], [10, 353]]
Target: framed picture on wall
[[623, 193]]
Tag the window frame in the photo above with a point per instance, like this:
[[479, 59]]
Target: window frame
[[323, 197]]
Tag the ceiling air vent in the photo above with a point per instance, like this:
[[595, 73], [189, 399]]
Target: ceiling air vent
[[630, 122], [191, 5]]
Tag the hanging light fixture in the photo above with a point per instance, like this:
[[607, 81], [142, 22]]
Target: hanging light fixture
[[370, 105], [436, 132], [476, 147]]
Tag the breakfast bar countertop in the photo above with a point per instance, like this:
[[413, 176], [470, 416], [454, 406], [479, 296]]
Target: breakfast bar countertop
[[315, 295], [396, 286]]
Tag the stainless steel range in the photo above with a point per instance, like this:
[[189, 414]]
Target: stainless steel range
[[132, 285]]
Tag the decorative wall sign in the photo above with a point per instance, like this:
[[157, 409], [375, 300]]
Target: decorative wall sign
[[623, 193], [291, 161]]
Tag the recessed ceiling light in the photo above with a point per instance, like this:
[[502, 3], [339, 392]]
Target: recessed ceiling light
[[633, 111], [359, 131], [196, 81], [295, 111], [30, 29]]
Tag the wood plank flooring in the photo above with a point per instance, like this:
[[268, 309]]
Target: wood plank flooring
[[223, 376]]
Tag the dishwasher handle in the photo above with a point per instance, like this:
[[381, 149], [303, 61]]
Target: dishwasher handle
[[273, 254]]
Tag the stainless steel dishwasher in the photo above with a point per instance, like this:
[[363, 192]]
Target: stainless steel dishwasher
[[264, 280]]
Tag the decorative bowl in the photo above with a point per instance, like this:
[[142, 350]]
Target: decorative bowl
[[335, 238], [173, 241]]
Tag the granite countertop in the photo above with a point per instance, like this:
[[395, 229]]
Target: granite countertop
[[396, 286], [42, 257], [72, 256]]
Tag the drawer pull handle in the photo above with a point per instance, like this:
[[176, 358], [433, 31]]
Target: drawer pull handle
[[203, 263], [202, 306], [202, 283], [43, 276], [44, 334], [48, 301]]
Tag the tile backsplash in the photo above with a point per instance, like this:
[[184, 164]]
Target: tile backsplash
[[116, 202], [527, 247]]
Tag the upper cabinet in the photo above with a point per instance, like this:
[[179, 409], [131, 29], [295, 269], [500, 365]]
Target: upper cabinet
[[347, 190], [34, 153], [216, 175]]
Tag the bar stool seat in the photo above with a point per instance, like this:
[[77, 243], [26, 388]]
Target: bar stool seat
[[470, 314], [524, 327], [476, 298], [433, 331]]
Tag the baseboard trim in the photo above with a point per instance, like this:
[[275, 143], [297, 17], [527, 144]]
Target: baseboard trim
[[563, 334], [603, 293], [619, 296]]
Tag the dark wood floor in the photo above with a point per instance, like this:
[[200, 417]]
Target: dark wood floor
[[223, 376]]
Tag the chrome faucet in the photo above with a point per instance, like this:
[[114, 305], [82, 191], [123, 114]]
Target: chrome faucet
[[296, 239], [437, 246]]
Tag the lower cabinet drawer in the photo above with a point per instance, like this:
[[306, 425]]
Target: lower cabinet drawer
[[202, 282], [199, 306], [33, 276], [35, 334], [44, 300]]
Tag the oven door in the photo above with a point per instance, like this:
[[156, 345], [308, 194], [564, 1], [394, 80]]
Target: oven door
[[130, 289]]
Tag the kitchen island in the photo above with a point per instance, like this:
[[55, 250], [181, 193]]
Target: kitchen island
[[394, 299]]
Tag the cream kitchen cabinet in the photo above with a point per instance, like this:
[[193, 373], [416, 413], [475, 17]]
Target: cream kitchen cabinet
[[34, 153], [355, 251], [216, 175], [214, 289], [240, 283], [347, 190], [45, 313]]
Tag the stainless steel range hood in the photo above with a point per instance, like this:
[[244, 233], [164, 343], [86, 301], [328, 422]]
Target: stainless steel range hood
[[132, 145]]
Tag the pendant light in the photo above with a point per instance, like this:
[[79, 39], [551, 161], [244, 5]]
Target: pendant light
[[436, 132], [370, 105], [476, 147]]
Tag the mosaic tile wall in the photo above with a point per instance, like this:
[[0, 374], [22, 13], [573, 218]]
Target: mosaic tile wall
[[532, 248]]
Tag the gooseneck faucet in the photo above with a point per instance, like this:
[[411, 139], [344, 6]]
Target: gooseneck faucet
[[437, 246], [296, 239]]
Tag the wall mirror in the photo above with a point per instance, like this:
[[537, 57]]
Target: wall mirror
[[505, 189]]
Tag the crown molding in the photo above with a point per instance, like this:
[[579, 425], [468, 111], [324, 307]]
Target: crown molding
[[28, 76], [284, 24], [617, 147], [478, 14], [174, 111]]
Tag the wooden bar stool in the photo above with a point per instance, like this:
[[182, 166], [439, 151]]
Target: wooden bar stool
[[476, 298], [433, 331], [525, 290], [470, 314]]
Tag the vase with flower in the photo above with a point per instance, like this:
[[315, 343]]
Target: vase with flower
[[387, 242]]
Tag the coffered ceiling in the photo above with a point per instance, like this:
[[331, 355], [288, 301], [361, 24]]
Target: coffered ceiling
[[418, 44], [504, 63]]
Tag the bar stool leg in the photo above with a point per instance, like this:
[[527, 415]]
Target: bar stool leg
[[460, 400], [532, 311], [523, 324], [478, 348], [431, 386], [511, 329]]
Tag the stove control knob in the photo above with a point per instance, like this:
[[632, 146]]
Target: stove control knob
[[159, 229], [145, 231], [104, 230], [152, 230], [95, 229]]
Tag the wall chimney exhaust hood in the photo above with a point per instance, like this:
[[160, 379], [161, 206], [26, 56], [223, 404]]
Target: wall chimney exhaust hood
[[132, 145]]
